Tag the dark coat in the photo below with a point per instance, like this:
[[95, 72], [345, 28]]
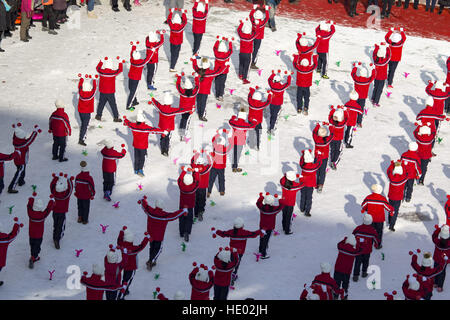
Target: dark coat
[[3, 17], [59, 4]]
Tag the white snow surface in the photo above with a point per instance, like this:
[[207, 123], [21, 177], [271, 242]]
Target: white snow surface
[[35, 74]]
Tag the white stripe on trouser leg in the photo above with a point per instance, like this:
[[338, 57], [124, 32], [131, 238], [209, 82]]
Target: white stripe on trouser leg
[[129, 282], [134, 95], [350, 136], [340, 152], [154, 73], [19, 173], [159, 252], [63, 227]]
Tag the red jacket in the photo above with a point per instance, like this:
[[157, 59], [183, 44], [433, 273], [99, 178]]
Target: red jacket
[[305, 52], [261, 25], [375, 204], [239, 237], [366, 236], [187, 103], [304, 74], [59, 123], [322, 144], [412, 294], [187, 192], [441, 247], [6, 157], [429, 114], [397, 47], [222, 276], [412, 160], [199, 19], [315, 289], [37, 219], [256, 107], [61, 198], [277, 89], [246, 40], [137, 65], [439, 96], [203, 169], [222, 57], [381, 64], [21, 147], [95, 286], [397, 182], [426, 273], [157, 220], [132, 251], [140, 133], [325, 279], [219, 155], [353, 109], [166, 115], [84, 186], [110, 159], [325, 37], [200, 289], [339, 126], [447, 210], [289, 195], [268, 214], [346, 257], [176, 30], [154, 46], [362, 84], [240, 128], [108, 78], [86, 98], [425, 143], [309, 172], [113, 271], [5, 240], [208, 77]]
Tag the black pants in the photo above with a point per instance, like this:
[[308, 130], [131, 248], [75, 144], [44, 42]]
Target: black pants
[[447, 105], [111, 295], [132, 86], [219, 84], [392, 67], [164, 142], [342, 280], [154, 250], [111, 99], [237, 150], [274, 110], [348, 136], [151, 70], [139, 158], [128, 276], [220, 293], [19, 177], [238, 264], [352, 7], [258, 134], [424, 166], [59, 147], [174, 54], [335, 151], [108, 181], [409, 186], [35, 246], [85, 118], [244, 64], [306, 199], [392, 219], [416, 4], [440, 278], [83, 209], [2, 185], [375, 2], [264, 243], [362, 259], [322, 172], [303, 94], [49, 16], [59, 225], [322, 63], [200, 201], [377, 90], [184, 120], [287, 218], [127, 4], [256, 45], [201, 104], [185, 222], [197, 41], [362, 103], [379, 228], [219, 173], [387, 6], [115, 3]]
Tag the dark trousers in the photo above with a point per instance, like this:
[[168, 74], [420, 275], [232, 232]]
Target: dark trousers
[[348, 136], [115, 3], [287, 218], [128, 276], [219, 173], [274, 110], [406, 5], [219, 84], [303, 94], [59, 225], [433, 4], [264, 243], [258, 134], [184, 120], [49, 16], [387, 6], [237, 150], [201, 104], [244, 64], [151, 70], [108, 181], [59, 147], [306, 199], [409, 186], [197, 41], [111, 295], [220, 293], [238, 264], [342, 280], [392, 219], [392, 67], [447, 105], [377, 90], [322, 172], [127, 4], [335, 151], [83, 209], [440, 278], [256, 45], [111, 99], [164, 142], [200, 201], [35, 246], [322, 63], [174, 54], [132, 86], [2, 185], [375, 2], [154, 250], [139, 158], [362, 259], [379, 228], [185, 222], [362, 103], [19, 177], [424, 166], [85, 118], [352, 7]]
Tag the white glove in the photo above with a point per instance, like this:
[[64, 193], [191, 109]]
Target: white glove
[[401, 29], [125, 250], [392, 29], [185, 210], [255, 6]]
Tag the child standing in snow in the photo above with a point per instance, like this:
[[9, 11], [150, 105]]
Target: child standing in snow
[[59, 126], [85, 192], [109, 166], [107, 87], [177, 21], [86, 97], [5, 240]]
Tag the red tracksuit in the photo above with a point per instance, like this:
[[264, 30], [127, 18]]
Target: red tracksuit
[[5, 240], [346, 257], [132, 251], [362, 84], [95, 286], [426, 274], [86, 98], [140, 133], [256, 107], [222, 57], [305, 52], [381, 64], [203, 170], [324, 42], [187, 103], [240, 128], [154, 46], [110, 158], [61, 198], [412, 160], [277, 89], [396, 182], [137, 65], [375, 204], [246, 40], [113, 271], [238, 237], [59, 123], [329, 282], [315, 289], [208, 77], [6, 157], [290, 195], [309, 171], [322, 144], [200, 289], [222, 276], [166, 115], [187, 192], [425, 142], [429, 114], [21, 146], [366, 236], [397, 47], [304, 74], [339, 127], [441, 247], [412, 294], [219, 155], [199, 19], [353, 109], [176, 30], [84, 186], [268, 214], [439, 96], [108, 78], [37, 219], [259, 27]]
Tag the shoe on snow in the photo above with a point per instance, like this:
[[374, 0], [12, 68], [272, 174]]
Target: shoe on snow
[[81, 142], [208, 194], [265, 257], [355, 278], [151, 88], [63, 160], [79, 220], [254, 67], [141, 173], [107, 196], [56, 242], [348, 145], [186, 237], [288, 232], [325, 77], [30, 263], [200, 216], [222, 193], [305, 112], [117, 120], [12, 191], [99, 118], [149, 265], [307, 214]]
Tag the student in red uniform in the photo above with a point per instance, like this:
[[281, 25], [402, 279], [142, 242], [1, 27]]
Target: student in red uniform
[[61, 188], [221, 147], [354, 110], [203, 162], [153, 42], [86, 97], [95, 285], [381, 57], [305, 70], [440, 91], [222, 54], [5, 157], [137, 64], [304, 47], [322, 136], [256, 109], [188, 94], [225, 262], [177, 21], [441, 240], [290, 187], [246, 34], [84, 192], [188, 184], [362, 84], [412, 289], [59, 126], [199, 15], [309, 164], [447, 101], [5, 241], [328, 284], [259, 17], [397, 175], [337, 118], [201, 279], [348, 249], [277, 89], [424, 135], [395, 38], [109, 166], [37, 213], [430, 114], [114, 265], [412, 159], [325, 30]]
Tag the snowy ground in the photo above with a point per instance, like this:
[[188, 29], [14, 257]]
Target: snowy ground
[[33, 75]]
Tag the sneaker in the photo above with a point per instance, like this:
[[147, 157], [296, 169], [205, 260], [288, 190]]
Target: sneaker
[[348, 145], [25, 40], [45, 29], [56, 242], [54, 158], [107, 196], [200, 216], [173, 70], [245, 81], [359, 125], [220, 98], [79, 220], [305, 112], [203, 119], [12, 191], [21, 183], [117, 120], [364, 275], [439, 289], [134, 103], [237, 169], [186, 237], [151, 88], [333, 166], [81, 142], [407, 200], [208, 194], [355, 278], [325, 76], [265, 257], [222, 193], [273, 29], [165, 153], [299, 111], [288, 232], [63, 160], [392, 229], [85, 222], [30, 263], [254, 67], [149, 265], [2, 50], [141, 173], [115, 9], [97, 117], [53, 32], [319, 189], [307, 214]]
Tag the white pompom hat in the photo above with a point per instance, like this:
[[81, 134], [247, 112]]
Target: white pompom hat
[[429, 101], [188, 179], [152, 37], [176, 19], [257, 96], [222, 47], [304, 62], [367, 219], [325, 267], [413, 146], [376, 188], [395, 37], [351, 240], [238, 223], [291, 175], [187, 84], [224, 255], [202, 275], [128, 236], [269, 200], [159, 204], [354, 95], [413, 284], [87, 85], [97, 269], [38, 205], [427, 260], [59, 104], [308, 156], [168, 98], [444, 233], [61, 185], [19, 133]]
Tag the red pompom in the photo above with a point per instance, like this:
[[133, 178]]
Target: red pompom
[[118, 58], [124, 228], [65, 175], [16, 219], [139, 201], [212, 229], [418, 250], [279, 71], [19, 124], [96, 76], [60, 174], [213, 267], [72, 178], [194, 264], [79, 75], [111, 246], [217, 37], [158, 289], [85, 273], [267, 193], [131, 42], [410, 253], [106, 58], [122, 145], [394, 292], [34, 194], [227, 249], [214, 236], [137, 42], [86, 76], [275, 196], [257, 87], [90, 76], [53, 175]]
